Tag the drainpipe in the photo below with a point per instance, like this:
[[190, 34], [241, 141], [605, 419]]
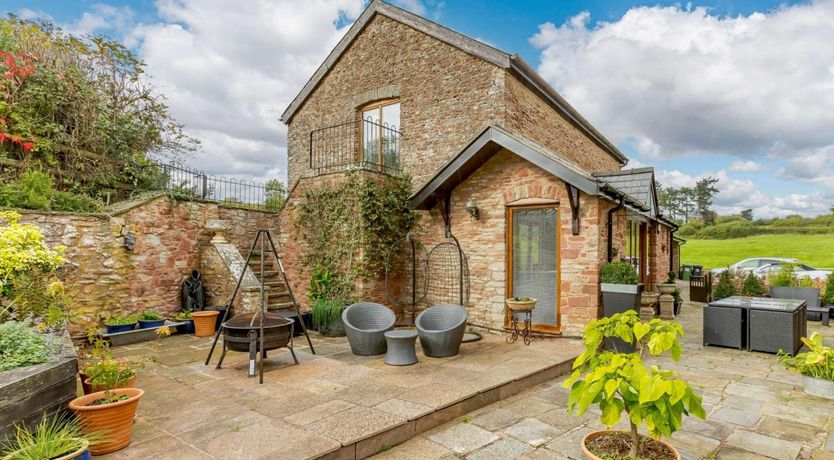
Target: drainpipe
[[611, 226], [672, 249]]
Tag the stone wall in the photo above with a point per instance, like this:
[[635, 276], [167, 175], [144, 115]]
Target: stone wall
[[104, 278]]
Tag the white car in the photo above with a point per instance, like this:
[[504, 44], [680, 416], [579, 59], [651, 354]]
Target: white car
[[800, 270], [747, 265]]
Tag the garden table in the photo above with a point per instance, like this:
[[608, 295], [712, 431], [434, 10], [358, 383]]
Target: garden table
[[756, 323], [400, 344]]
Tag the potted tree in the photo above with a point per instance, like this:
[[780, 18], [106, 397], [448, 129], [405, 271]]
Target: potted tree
[[108, 415], [56, 437], [725, 286], [752, 286], [815, 365], [621, 288], [620, 383]]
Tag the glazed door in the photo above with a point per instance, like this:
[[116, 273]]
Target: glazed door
[[534, 261]]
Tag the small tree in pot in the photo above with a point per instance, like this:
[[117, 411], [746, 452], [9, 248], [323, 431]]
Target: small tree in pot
[[620, 382], [620, 287], [725, 286], [752, 286]]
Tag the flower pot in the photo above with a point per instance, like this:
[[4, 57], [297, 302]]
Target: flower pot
[[114, 421], [129, 383], [521, 305], [619, 298], [596, 434], [85, 386], [818, 387], [205, 322], [147, 324], [116, 328], [678, 305], [664, 288], [335, 328]]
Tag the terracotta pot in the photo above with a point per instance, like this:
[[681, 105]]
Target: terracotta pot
[[129, 383], [521, 305], [595, 434], [113, 421], [85, 387], [204, 322]]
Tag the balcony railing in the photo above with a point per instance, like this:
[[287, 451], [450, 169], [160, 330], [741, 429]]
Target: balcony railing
[[362, 144]]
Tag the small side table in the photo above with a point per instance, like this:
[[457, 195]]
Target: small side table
[[400, 347], [515, 332]]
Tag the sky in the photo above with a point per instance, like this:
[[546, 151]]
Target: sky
[[738, 90]]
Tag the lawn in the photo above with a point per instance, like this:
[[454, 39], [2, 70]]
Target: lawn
[[814, 250]]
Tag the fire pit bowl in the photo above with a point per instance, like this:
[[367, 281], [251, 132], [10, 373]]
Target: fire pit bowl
[[277, 331]]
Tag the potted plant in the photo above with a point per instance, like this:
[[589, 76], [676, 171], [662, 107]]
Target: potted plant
[[620, 382], [725, 286], [669, 286], [205, 322], [828, 294], [56, 437], [327, 316], [110, 413], [785, 285], [149, 319], [108, 374], [120, 323], [678, 301], [816, 366], [185, 317], [752, 286], [620, 287], [521, 303]]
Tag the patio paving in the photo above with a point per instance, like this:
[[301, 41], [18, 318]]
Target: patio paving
[[332, 405], [756, 410]]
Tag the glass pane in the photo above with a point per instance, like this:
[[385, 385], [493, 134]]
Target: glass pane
[[391, 137], [370, 136], [534, 257]]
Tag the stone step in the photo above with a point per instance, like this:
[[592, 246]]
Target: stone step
[[279, 306]]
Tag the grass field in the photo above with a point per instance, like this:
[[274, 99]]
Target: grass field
[[814, 250]]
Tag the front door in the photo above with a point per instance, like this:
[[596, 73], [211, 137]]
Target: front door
[[533, 253]]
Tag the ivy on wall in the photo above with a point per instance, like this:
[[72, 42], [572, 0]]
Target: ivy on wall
[[350, 226]]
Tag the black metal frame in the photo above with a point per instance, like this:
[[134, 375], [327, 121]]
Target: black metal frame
[[337, 148], [267, 237]]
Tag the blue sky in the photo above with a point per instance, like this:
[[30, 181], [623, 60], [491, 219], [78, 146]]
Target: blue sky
[[740, 90]]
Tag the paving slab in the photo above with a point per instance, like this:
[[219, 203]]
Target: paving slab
[[764, 445], [462, 438], [506, 448], [532, 431]]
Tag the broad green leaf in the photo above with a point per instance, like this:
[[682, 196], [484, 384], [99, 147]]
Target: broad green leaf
[[611, 387]]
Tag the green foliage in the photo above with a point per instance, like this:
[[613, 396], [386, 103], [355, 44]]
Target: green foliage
[[828, 293], [619, 272], [725, 286], [80, 108], [21, 345], [109, 372], [350, 226], [818, 362], [784, 277], [120, 320], [326, 311], [183, 316], [814, 250], [327, 284], [274, 195], [620, 382], [752, 286], [150, 315], [53, 437], [35, 190]]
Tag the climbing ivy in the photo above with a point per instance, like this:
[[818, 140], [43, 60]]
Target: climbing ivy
[[349, 226]]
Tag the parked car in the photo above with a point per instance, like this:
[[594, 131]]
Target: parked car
[[747, 265], [801, 271]]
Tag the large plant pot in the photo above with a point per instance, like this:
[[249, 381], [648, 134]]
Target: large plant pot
[[335, 328], [595, 434], [93, 388], [204, 322], [818, 387], [619, 298], [664, 288], [114, 421]]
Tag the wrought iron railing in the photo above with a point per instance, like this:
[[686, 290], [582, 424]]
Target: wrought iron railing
[[364, 144]]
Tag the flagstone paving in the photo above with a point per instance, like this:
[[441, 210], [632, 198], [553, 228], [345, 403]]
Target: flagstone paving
[[756, 410]]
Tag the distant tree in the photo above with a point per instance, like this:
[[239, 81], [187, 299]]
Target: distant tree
[[275, 195], [703, 193], [686, 202], [747, 214]]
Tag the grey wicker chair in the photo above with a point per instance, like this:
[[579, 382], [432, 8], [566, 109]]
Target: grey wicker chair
[[440, 329], [365, 326]]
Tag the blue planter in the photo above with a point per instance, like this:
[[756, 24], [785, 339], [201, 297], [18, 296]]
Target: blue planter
[[147, 324], [116, 328], [85, 456], [187, 327]]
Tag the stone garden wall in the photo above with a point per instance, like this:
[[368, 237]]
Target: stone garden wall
[[104, 278]]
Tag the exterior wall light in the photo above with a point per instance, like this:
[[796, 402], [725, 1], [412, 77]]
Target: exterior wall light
[[472, 209]]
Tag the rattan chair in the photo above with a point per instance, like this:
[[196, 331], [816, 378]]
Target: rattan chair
[[440, 329], [365, 326]]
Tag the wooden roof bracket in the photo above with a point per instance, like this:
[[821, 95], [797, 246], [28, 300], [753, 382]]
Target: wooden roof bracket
[[445, 206], [573, 198]]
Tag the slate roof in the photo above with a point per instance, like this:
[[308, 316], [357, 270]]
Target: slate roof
[[511, 62], [638, 183]]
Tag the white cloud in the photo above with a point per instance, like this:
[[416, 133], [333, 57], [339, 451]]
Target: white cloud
[[102, 17], [812, 165], [682, 81], [745, 166]]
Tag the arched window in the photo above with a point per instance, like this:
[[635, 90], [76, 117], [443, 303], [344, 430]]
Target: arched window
[[379, 135]]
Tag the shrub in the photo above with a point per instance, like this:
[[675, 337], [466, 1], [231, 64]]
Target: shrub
[[620, 272], [828, 294], [35, 190], [327, 311], [784, 277], [725, 287], [619, 382], [21, 345], [817, 363], [752, 286], [109, 372]]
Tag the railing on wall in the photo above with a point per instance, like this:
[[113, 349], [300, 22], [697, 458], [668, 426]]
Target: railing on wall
[[363, 144]]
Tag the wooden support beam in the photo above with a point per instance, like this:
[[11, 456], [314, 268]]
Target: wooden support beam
[[573, 198]]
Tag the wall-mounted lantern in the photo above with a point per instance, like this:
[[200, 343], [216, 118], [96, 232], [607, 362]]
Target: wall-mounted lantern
[[472, 209]]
